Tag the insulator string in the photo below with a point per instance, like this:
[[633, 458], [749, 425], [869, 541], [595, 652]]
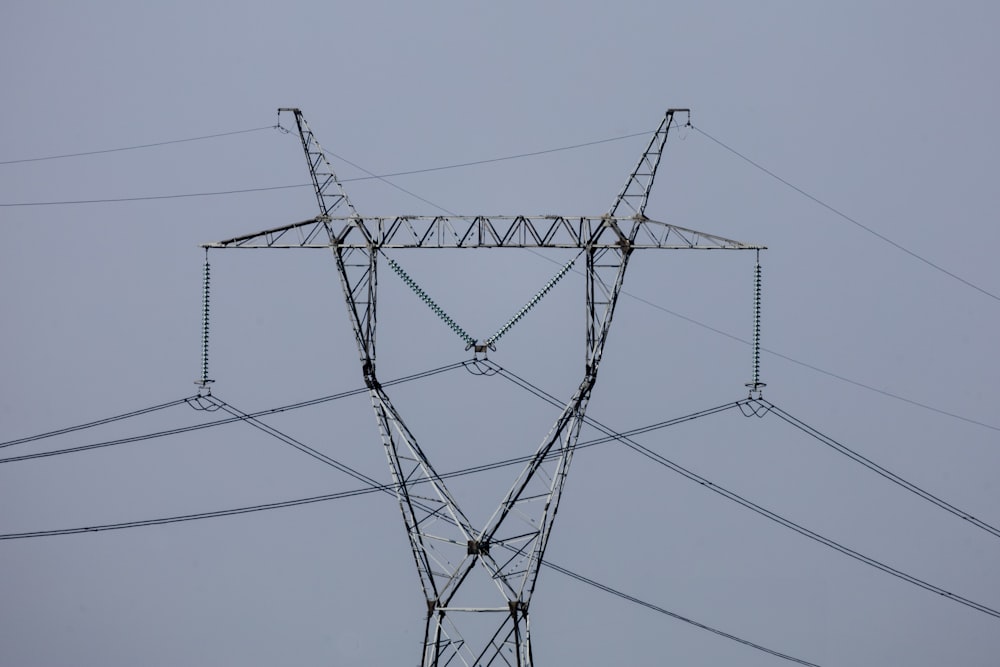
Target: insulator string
[[531, 304], [755, 384], [205, 294], [756, 323], [459, 331]]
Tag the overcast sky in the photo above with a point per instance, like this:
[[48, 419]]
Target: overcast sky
[[884, 112]]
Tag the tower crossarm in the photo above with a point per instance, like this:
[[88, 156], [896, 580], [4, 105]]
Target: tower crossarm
[[482, 231]]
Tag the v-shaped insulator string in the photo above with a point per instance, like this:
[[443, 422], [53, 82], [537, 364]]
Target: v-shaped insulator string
[[412, 284], [533, 302], [471, 342]]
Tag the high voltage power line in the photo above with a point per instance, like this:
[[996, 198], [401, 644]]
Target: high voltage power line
[[195, 427], [730, 495], [758, 406], [373, 486], [384, 178], [753, 405]]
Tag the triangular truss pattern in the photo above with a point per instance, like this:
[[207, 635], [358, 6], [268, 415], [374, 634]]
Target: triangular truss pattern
[[329, 192], [508, 550], [481, 231]]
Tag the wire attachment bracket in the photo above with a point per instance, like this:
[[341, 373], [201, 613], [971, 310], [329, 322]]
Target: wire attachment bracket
[[755, 385]]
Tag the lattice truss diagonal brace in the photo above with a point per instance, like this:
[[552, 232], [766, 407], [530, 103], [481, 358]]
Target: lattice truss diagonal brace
[[447, 548]]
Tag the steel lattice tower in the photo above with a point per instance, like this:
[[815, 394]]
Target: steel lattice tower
[[447, 547]]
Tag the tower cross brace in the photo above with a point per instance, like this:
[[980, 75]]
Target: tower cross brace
[[447, 547]]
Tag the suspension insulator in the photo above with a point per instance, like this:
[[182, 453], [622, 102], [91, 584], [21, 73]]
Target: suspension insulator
[[204, 381], [755, 384]]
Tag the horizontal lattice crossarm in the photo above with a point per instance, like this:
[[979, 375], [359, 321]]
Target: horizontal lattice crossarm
[[542, 231]]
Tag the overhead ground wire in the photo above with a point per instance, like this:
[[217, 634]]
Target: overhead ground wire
[[133, 148], [369, 175], [853, 221]]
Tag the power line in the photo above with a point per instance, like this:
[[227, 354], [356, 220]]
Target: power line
[[804, 364], [373, 486], [647, 302], [196, 427], [793, 360], [811, 367], [133, 148], [245, 417], [610, 434], [155, 197], [661, 610], [289, 440], [99, 422], [871, 465], [473, 163], [400, 188], [456, 165], [316, 401], [856, 383], [370, 175], [730, 495], [188, 517], [848, 218]]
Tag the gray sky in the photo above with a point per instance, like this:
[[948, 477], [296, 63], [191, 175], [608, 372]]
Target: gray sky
[[884, 111]]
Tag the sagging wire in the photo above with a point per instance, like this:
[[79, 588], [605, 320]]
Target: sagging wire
[[876, 468], [92, 424], [372, 486]]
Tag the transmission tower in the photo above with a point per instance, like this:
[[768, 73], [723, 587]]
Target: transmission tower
[[448, 549]]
